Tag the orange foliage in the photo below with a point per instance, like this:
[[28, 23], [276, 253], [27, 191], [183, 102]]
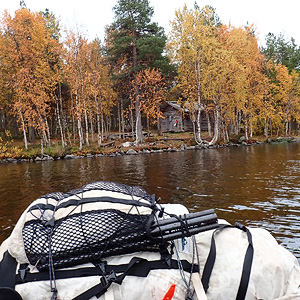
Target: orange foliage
[[29, 62], [151, 91]]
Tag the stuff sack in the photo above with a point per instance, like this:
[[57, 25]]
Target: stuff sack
[[99, 220], [57, 249], [275, 272]]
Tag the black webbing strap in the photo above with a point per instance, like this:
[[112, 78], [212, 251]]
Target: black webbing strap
[[244, 282], [86, 200], [8, 267], [209, 264], [246, 266], [137, 267], [141, 269], [105, 282]]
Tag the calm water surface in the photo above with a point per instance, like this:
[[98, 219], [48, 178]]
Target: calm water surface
[[258, 185]]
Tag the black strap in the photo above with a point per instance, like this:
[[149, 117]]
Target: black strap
[[244, 282], [209, 264], [8, 267], [141, 269], [137, 267], [105, 282], [246, 266], [77, 202]]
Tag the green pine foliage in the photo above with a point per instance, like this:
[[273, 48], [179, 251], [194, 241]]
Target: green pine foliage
[[282, 51], [133, 28]]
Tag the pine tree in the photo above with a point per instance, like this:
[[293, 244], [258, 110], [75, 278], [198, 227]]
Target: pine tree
[[139, 44], [282, 51]]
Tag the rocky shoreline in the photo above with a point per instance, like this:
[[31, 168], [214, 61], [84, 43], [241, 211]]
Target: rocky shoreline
[[132, 151]]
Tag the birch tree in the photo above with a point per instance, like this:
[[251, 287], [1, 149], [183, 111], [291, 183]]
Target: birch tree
[[191, 41], [30, 54]]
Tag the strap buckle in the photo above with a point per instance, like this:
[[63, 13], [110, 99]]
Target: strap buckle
[[102, 266], [107, 280], [22, 271]]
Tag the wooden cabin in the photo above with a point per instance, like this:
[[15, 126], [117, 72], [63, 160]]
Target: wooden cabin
[[176, 119]]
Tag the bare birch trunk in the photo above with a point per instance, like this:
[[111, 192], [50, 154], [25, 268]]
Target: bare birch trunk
[[85, 111], [138, 125], [287, 116], [139, 139], [43, 132], [59, 124], [45, 126], [208, 125], [266, 128], [246, 130], [119, 119], [73, 115], [80, 134], [102, 118], [251, 127], [64, 121], [77, 101], [198, 137], [122, 117], [216, 127], [23, 127], [99, 137], [22, 120], [131, 118], [194, 128], [42, 147], [91, 121]]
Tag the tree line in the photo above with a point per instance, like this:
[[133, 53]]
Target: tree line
[[223, 72], [80, 91]]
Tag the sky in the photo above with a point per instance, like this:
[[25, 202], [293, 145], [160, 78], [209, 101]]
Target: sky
[[91, 16]]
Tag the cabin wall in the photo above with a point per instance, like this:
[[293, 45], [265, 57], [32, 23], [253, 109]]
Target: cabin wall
[[172, 120]]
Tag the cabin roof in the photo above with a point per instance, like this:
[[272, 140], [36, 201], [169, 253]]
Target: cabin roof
[[176, 106]]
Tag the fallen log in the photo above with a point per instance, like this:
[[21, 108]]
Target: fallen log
[[107, 144]]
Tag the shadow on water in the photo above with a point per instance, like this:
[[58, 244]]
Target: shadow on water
[[258, 186]]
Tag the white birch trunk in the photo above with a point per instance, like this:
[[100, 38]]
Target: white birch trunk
[[216, 127], [23, 128], [198, 137], [60, 123]]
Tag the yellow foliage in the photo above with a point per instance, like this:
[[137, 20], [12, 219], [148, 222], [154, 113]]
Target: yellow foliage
[[7, 150], [221, 68], [151, 91], [28, 57]]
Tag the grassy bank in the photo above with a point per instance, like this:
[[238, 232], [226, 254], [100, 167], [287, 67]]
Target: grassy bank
[[14, 150]]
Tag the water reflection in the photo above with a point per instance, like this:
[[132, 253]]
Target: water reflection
[[258, 186]]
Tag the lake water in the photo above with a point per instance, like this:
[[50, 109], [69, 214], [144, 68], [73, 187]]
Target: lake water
[[255, 185]]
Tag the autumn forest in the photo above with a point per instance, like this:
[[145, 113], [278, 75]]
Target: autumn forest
[[58, 85]]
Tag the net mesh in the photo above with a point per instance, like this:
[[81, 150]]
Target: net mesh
[[88, 236], [113, 187]]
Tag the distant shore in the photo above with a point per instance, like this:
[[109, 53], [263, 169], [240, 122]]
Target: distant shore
[[128, 148]]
